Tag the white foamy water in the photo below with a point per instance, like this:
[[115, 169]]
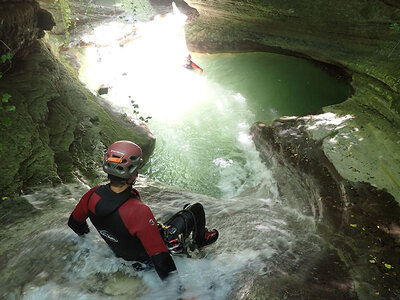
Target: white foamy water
[[49, 261]]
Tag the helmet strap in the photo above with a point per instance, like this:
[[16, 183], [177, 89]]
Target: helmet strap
[[132, 179]]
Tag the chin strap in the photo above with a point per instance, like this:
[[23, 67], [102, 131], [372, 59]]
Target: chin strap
[[128, 181]]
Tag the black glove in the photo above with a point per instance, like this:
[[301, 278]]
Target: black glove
[[84, 229], [78, 228]]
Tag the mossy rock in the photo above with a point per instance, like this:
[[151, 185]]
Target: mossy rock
[[58, 127]]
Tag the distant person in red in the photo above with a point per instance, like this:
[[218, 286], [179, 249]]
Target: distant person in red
[[189, 64], [128, 225]]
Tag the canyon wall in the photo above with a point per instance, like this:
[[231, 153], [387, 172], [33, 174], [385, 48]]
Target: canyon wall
[[52, 128], [361, 37]]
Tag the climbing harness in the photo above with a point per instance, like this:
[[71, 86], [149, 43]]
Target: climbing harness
[[179, 242], [175, 242]]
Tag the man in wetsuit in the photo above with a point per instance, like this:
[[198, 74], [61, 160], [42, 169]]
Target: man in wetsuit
[[189, 64], [127, 225]]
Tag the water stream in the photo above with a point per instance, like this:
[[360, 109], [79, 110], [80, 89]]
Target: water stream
[[203, 145]]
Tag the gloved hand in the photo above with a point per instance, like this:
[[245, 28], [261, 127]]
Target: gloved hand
[[84, 229], [78, 228]]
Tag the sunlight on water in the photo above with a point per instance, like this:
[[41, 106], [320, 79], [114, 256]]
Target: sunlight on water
[[146, 67], [201, 122], [198, 123]]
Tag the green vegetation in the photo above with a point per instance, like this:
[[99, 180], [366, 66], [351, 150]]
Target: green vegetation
[[6, 57], [67, 19], [4, 99], [137, 114], [395, 27], [66, 13], [5, 120], [133, 7], [89, 12], [396, 101], [5, 107]]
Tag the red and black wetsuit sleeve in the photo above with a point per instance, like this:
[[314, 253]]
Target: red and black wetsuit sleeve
[[77, 220], [142, 224]]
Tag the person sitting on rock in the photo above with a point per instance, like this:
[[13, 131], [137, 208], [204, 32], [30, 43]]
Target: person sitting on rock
[[189, 64], [128, 225]]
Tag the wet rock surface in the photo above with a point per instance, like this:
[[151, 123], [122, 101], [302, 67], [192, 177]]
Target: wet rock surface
[[356, 36], [358, 223], [22, 23], [82, 14], [165, 6], [58, 129]]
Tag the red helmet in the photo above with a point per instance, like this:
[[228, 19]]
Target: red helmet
[[122, 159]]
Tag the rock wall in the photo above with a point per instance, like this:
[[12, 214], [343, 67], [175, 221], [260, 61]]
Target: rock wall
[[359, 36], [354, 34], [22, 23], [358, 222], [58, 129]]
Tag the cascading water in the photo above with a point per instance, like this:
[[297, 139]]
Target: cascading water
[[203, 145]]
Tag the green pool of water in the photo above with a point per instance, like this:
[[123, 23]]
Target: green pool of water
[[273, 84], [201, 121], [207, 148]]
